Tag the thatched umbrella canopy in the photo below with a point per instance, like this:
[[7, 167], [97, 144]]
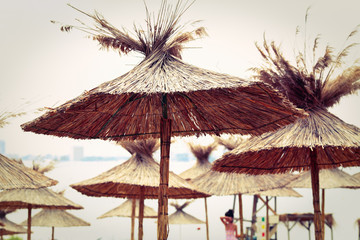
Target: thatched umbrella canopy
[[55, 218], [202, 165], [181, 217], [163, 96], [14, 175], [8, 227], [319, 141], [137, 178], [231, 142], [125, 210], [35, 198], [357, 176]]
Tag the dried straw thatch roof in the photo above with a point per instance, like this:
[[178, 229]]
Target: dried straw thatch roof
[[357, 175], [328, 178], [202, 164], [35, 198], [141, 171], [181, 217], [221, 183], [280, 192], [197, 100], [288, 149], [231, 142], [56, 218], [10, 228], [308, 217], [14, 175], [124, 210]]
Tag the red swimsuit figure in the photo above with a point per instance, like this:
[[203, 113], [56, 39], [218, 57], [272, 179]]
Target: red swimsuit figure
[[230, 227]]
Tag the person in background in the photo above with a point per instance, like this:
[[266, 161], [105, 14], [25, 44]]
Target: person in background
[[230, 227]]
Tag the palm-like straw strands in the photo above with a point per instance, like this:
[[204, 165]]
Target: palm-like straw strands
[[163, 96], [202, 164], [8, 227], [317, 142], [14, 175]]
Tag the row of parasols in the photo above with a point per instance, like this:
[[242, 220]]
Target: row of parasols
[[137, 178], [284, 108]]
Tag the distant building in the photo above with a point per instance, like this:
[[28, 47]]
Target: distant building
[[78, 153], [2, 147]]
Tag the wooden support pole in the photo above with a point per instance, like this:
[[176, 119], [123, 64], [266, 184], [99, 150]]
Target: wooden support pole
[[29, 223], [141, 214], [267, 218], [267, 205], [52, 233], [207, 220], [165, 137], [133, 207], [241, 217], [315, 192], [323, 213]]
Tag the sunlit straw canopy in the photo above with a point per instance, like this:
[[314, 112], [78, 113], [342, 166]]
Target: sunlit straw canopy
[[280, 192], [124, 210], [35, 198], [221, 183], [8, 227], [181, 217], [328, 178], [288, 149], [140, 171], [14, 175], [56, 218]]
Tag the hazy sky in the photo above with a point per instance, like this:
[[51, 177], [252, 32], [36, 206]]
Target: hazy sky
[[42, 66], [46, 67]]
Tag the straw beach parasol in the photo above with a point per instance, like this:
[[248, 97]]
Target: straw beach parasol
[[201, 166], [35, 198], [163, 96], [8, 227], [181, 217], [319, 141], [14, 175], [137, 178], [125, 210], [55, 218]]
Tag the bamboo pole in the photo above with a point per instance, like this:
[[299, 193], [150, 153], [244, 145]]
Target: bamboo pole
[[29, 223], [323, 213], [241, 217], [141, 214], [267, 218], [52, 233], [207, 220], [133, 206], [315, 192], [165, 132]]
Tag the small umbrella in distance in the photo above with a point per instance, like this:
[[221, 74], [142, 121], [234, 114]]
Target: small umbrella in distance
[[55, 218]]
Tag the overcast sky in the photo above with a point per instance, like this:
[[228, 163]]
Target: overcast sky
[[44, 67]]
